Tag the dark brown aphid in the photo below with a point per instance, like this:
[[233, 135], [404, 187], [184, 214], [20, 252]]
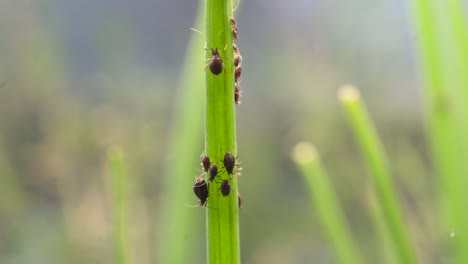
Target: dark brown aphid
[[216, 63], [225, 188], [237, 93], [234, 28], [205, 161], [237, 61], [200, 188], [213, 172], [229, 162], [239, 200], [237, 56], [237, 73]]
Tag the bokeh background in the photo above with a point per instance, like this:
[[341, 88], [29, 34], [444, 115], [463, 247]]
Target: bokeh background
[[81, 76]]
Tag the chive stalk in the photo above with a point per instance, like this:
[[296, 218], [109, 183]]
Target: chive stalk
[[326, 201], [220, 136], [379, 169]]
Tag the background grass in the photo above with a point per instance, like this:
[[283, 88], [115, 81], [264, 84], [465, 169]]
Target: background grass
[[81, 77]]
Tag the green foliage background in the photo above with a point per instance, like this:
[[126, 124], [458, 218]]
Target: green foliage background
[[79, 77]]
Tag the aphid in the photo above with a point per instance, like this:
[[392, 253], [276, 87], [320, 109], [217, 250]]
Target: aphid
[[205, 161], [237, 56], [234, 28], [200, 188], [229, 162], [237, 74], [225, 188], [216, 63], [239, 200], [237, 93], [213, 172]]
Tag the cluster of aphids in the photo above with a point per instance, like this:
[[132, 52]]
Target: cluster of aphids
[[200, 188], [216, 63]]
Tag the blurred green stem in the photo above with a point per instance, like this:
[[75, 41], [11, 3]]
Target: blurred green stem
[[120, 204], [326, 202], [446, 97], [377, 163], [220, 137], [179, 228]]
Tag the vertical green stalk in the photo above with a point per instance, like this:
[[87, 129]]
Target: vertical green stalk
[[377, 163], [445, 98], [326, 201], [178, 229], [386, 246], [119, 204], [220, 137]]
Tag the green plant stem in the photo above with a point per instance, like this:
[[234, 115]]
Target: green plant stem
[[377, 163], [180, 225], [387, 248], [445, 98], [220, 137], [120, 204], [326, 201]]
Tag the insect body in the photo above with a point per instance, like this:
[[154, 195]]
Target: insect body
[[229, 162], [237, 93], [200, 188], [237, 55], [225, 188], [234, 28], [206, 163], [237, 73], [216, 63], [213, 172]]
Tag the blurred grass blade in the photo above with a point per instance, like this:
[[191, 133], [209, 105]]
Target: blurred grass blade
[[326, 202], [387, 248], [446, 106], [376, 161], [119, 184], [179, 229]]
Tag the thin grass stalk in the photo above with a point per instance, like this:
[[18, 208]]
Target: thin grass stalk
[[326, 201], [378, 167], [119, 187], [387, 248], [220, 137], [445, 113], [179, 228]]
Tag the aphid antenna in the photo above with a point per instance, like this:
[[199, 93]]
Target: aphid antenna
[[236, 6], [198, 31], [203, 35], [199, 205]]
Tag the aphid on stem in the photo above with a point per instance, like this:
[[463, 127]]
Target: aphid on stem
[[216, 63], [237, 56], [230, 162], [200, 188], [237, 73], [225, 187], [213, 172], [234, 28], [237, 94], [205, 162]]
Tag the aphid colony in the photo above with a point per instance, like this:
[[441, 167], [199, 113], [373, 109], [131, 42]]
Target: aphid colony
[[200, 187], [216, 62], [211, 172]]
